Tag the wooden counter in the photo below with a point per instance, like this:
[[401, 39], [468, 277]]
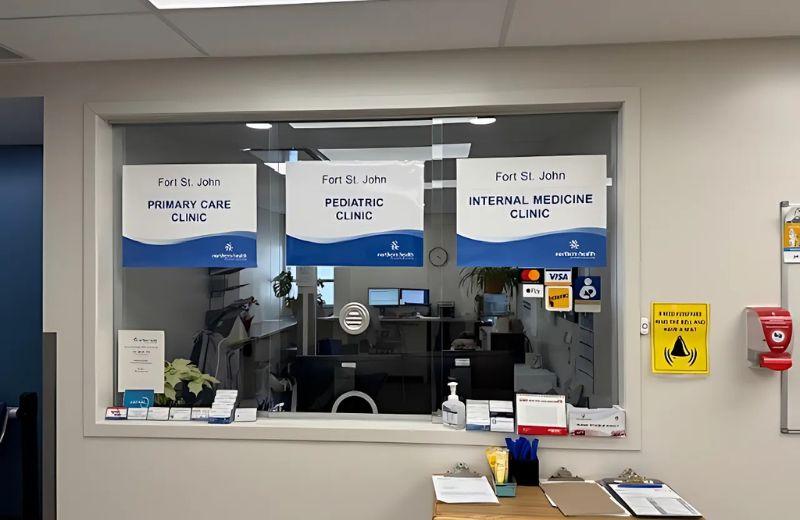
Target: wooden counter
[[529, 504]]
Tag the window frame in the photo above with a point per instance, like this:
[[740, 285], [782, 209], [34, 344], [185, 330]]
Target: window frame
[[293, 293], [100, 243]]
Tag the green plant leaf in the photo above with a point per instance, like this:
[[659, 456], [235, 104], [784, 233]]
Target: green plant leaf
[[210, 379], [282, 284], [171, 379], [169, 393], [181, 364], [196, 387]]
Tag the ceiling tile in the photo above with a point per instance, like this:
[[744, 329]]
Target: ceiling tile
[[405, 25], [32, 8], [91, 38], [568, 22]]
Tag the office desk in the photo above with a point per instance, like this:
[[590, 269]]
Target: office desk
[[529, 504]]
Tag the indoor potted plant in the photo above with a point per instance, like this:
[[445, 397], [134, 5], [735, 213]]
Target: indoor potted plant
[[186, 385], [490, 280]]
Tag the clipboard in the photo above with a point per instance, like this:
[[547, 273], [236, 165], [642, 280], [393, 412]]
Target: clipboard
[[582, 498], [652, 499]]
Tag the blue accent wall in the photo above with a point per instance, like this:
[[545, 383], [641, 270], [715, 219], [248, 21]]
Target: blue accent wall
[[20, 298]]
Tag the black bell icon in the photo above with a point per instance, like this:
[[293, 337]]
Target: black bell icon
[[679, 349]]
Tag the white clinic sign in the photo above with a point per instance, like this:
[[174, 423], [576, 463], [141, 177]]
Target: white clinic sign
[[365, 213], [532, 211], [189, 215]]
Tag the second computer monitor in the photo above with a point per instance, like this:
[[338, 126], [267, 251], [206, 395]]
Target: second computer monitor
[[414, 297]]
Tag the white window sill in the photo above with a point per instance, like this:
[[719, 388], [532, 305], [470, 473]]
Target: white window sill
[[414, 430]]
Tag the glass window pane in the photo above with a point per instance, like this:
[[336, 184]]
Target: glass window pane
[[445, 322], [326, 292]]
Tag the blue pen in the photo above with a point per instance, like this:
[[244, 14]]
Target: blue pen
[[514, 448], [525, 452]]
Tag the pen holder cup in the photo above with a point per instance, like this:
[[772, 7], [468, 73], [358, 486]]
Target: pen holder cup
[[525, 472]]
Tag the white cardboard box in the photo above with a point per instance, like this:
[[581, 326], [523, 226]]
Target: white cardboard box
[[596, 422]]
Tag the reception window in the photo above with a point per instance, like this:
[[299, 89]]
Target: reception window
[[313, 328]]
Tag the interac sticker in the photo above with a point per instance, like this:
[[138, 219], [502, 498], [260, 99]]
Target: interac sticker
[[679, 338], [558, 298]]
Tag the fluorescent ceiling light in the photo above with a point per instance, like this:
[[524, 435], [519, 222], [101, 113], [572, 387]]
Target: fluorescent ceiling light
[[259, 126], [381, 124], [405, 153], [482, 120], [210, 4]]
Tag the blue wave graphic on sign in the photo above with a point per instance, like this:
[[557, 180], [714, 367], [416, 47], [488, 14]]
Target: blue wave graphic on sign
[[170, 241], [390, 249], [571, 248], [237, 249]]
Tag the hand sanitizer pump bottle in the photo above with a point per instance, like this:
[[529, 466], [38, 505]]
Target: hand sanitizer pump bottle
[[454, 412]]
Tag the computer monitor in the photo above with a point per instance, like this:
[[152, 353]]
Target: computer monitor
[[414, 297], [384, 297], [495, 305]]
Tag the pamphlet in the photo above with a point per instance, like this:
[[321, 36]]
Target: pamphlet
[[463, 490], [140, 360]]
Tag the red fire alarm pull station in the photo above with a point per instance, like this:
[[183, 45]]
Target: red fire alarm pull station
[[769, 338]]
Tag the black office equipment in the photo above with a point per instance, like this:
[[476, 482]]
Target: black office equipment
[[397, 383], [446, 309], [480, 374], [513, 342]]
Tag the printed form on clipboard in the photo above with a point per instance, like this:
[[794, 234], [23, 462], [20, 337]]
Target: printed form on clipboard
[[654, 500]]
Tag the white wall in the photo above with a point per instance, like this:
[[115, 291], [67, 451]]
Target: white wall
[[719, 139]]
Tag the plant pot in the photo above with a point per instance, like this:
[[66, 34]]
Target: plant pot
[[495, 282], [493, 285], [204, 398]]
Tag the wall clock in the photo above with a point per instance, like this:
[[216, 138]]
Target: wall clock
[[438, 256]]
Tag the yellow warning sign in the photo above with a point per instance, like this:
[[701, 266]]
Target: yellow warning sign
[[791, 235], [791, 240], [679, 338]]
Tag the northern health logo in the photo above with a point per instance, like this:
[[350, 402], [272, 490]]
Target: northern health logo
[[395, 252], [228, 247], [574, 244]]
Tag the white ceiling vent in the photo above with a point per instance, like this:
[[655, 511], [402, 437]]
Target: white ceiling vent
[[354, 318]]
